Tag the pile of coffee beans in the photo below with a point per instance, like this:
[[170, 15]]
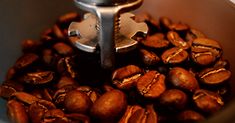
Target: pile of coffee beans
[[176, 74]]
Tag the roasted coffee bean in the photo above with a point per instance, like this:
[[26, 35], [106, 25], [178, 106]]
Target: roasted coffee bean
[[58, 32], [190, 116], [165, 23], [193, 34], [17, 112], [180, 28], [6, 91], [222, 64], [66, 66], [65, 81], [214, 76], [109, 106], [147, 115], [30, 46], [156, 42], [77, 118], [77, 102], [176, 40], [49, 57], [54, 116], [25, 97], [126, 77], [67, 18], [26, 60], [89, 92], [149, 58], [11, 73], [205, 51], [207, 101], [151, 85], [174, 55], [38, 78], [174, 99], [38, 109], [63, 48], [59, 95], [183, 79], [129, 112]]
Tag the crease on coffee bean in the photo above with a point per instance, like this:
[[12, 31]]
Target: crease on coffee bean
[[202, 53], [212, 72], [206, 47], [73, 75], [127, 79], [201, 93], [147, 87], [173, 55]]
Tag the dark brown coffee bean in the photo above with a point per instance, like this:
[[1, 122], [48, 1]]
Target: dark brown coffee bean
[[174, 99], [59, 95], [129, 112], [25, 97], [174, 55], [68, 18], [37, 110], [155, 41], [63, 48], [66, 66], [26, 60], [149, 58], [77, 118], [109, 106], [205, 51], [207, 101], [65, 81], [147, 115], [176, 40], [213, 76], [30, 46], [55, 116], [183, 79], [17, 112], [193, 34], [77, 102], [190, 116], [180, 28], [89, 92], [6, 91], [151, 85], [126, 77], [165, 23], [58, 32], [37, 78]]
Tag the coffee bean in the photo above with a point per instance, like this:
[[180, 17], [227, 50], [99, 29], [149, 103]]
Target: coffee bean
[[207, 101], [77, 102], [205, 51], [26, 60], [109, 106], [183, 79], [17, 112], [129, 112], [126, 77], [155, 42], [193, 34], [213, 76], [190, 116], [149, 58], [174, 99], [176, 40], [165, 23], [37, 78], [174, 55], [63, 48], [151, 85]]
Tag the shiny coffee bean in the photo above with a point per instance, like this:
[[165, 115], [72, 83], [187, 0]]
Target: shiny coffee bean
[[205, 51], [193, 34], [66, 66], [77, 118], [54, 116], [190, 116], [151, 85], [214, 76], [176, 40], [174, 55], [173, 99], [180, 28], [66, 81], [25, 97], [38, 78], [17, 112], [63, 48], [155, 42], [129, 112], [207, 101], [147, 115], [26, 60], [183, 79], [149, 58], [109, 106], [91, 93], [59, 95], [126, 77], [77, 102], [165, 23]]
